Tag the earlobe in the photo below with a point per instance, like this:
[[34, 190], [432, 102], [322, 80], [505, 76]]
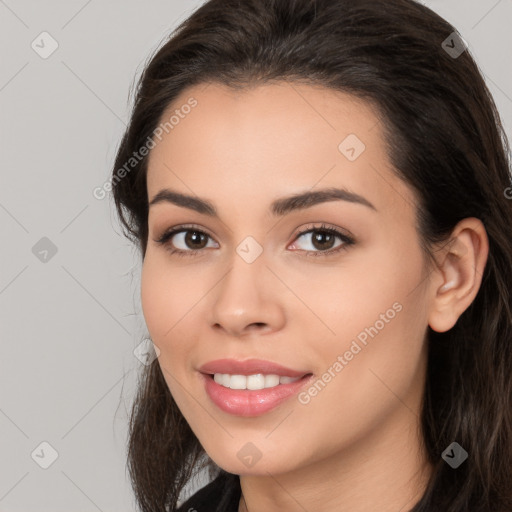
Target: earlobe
[[460, 269]]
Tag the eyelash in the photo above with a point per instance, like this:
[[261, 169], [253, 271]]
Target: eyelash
[[347, 241]]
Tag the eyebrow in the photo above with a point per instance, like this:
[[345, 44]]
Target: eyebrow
[[279, 207]]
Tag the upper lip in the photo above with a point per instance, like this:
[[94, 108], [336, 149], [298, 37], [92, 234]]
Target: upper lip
[[249, 367]]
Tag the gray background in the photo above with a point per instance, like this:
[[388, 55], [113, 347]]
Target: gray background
[[70, 321]]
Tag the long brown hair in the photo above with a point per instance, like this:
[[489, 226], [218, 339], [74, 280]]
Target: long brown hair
[[446, 141]]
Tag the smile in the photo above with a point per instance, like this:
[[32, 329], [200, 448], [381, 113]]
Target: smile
[[252, 382], [247, 402]]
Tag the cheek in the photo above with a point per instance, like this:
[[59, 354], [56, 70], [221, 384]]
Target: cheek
[[167, 295], [164, 305], [153, 300], [171, 304], [347, 297], [381, 327], [378, 318]]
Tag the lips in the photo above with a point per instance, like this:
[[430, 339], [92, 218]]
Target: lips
[[250, 367], [244, 402]]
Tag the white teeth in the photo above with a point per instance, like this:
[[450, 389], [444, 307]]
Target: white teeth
[[287, 380], [255, 381], [251, 382]]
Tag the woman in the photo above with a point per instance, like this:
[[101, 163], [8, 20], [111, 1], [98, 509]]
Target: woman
[[320, 191]]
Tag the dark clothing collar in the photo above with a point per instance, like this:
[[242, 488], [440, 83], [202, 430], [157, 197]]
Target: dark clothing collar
[[221, 495]]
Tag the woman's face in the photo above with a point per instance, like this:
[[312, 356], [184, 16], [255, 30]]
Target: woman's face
[[349, 312]]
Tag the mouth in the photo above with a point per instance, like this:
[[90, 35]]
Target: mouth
[[251, 395], [252, 382], [249, 367]]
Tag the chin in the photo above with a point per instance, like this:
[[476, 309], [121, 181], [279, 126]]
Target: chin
[[244, 458]]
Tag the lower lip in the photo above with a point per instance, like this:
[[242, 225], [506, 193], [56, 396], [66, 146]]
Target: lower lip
[[246, 402]]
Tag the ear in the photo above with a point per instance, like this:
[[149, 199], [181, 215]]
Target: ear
[[460, 267]]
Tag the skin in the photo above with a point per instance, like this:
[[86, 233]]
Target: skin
[[356, 445]]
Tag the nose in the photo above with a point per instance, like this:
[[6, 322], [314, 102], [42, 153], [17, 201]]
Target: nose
[[248, 299]]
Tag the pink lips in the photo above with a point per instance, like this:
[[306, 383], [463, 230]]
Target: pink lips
[[245, 402]]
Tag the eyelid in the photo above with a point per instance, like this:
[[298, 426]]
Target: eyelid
[[313, 226], [346, 237], [179, 228]]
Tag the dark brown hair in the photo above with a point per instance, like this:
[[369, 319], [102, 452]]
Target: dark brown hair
[[445, 140]]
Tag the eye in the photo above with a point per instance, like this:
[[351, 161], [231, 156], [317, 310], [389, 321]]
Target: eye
[[189, 240], [184, 237], [322, 240]]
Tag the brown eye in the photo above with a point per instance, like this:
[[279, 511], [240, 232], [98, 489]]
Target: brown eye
[[195, 239], [184, 241], [323, 240]]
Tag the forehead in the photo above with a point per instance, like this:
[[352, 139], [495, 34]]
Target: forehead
[[271, 140]]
